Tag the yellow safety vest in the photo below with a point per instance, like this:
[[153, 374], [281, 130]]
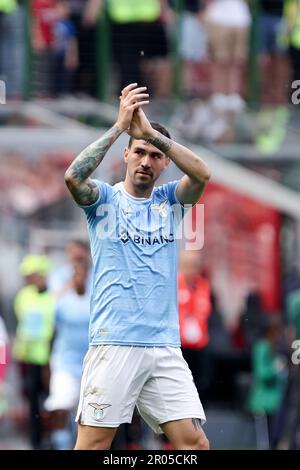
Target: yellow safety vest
[[292, 14], [131, 11], [35, 313], [8, 6]]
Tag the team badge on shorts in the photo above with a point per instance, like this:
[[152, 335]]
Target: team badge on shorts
[[98, 410]]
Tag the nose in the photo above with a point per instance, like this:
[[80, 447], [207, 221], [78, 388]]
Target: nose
[[146, 162]]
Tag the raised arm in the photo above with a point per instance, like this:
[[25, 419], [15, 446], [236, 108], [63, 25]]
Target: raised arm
[[77, 177], [197, 174]]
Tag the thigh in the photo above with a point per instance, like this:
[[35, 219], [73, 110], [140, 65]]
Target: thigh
[[240, 44], [112, 379], [219, 38], [186, 434], [170, 393], [94, 438]]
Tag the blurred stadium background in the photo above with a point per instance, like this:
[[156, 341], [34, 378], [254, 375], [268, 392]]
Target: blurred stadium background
[[221, 75]]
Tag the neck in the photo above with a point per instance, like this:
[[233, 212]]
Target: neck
[[135, 190]]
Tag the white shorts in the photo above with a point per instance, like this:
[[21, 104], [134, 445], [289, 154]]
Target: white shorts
[[156, 379], [64, 391]]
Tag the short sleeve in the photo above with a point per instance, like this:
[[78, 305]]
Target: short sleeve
[[169, 190], [180, 210], [102, 198]]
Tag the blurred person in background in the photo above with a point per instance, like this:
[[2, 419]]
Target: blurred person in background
[[12, 47], [64, 49], [84, 16], [252, 321], [69, 348], [193, 45], [290, 433], [140, 43], [292, 17], [194, 311], [269, 373], [34, 309], [274, 69], [77, 251], [43, 13], [3, 365], [228, 24]]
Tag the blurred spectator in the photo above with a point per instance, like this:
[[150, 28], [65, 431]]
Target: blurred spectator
[[3, 364], [43, 17], [252, 321], [228, 24], [65, 50], [292, 419], [273, 52], [194, 311], [69, 348], [269, 376], [193, 44], [140, 41], [77, 251], [84, 17], [292, 16], [12, 47], [34, 309]]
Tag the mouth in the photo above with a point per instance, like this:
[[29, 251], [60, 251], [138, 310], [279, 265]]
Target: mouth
[[144, 173]]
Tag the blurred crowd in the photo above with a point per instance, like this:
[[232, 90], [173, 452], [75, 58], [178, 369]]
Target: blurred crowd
[[49, 342], [66, 44], [217, 54], [245, 365]]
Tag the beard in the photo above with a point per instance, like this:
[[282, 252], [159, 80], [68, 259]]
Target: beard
[[143, 182]]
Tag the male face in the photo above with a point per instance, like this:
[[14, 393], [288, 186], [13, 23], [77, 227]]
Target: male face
[[77, 253], [80, 276], [145, 163]]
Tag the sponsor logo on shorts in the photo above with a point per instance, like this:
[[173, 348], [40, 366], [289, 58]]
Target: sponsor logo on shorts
[[98, 410]]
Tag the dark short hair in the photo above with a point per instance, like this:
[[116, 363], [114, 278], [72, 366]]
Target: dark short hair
[[158, 127]]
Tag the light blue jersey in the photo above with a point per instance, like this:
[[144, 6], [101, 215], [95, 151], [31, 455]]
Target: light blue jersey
[[71, 338], [133, 246]]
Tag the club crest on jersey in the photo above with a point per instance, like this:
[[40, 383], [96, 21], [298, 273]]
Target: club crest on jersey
[[161, 208]]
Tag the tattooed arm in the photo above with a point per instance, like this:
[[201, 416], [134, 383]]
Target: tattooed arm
[[197, 174], [77, 177]]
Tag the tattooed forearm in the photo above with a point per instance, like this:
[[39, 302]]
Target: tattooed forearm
[[162, 142], [89, 159], [83, 189], [196, 423]]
